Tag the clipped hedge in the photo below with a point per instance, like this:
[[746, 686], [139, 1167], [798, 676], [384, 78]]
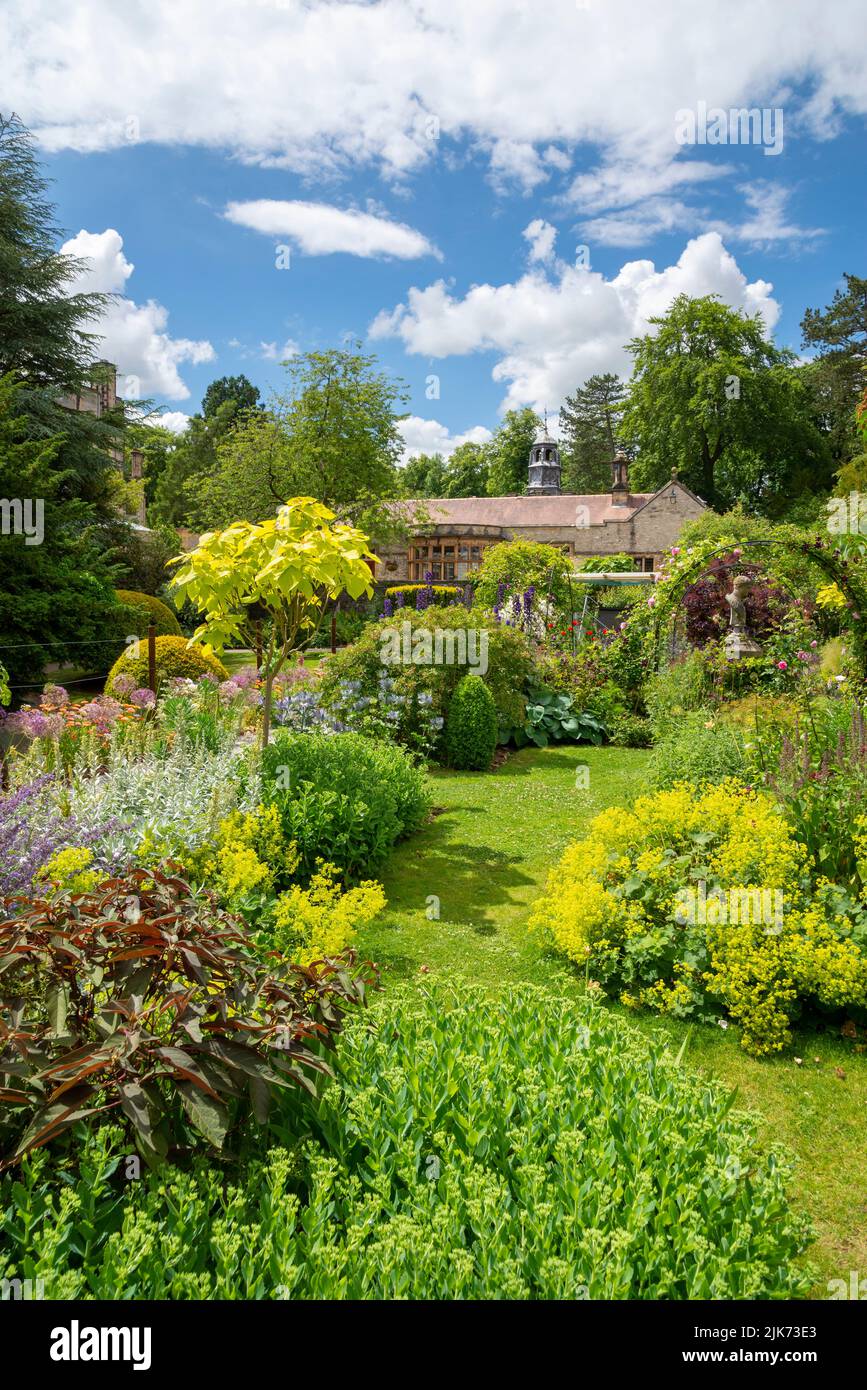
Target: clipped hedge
[[471, 727], [174, 658], [147, 610], [442, 593]]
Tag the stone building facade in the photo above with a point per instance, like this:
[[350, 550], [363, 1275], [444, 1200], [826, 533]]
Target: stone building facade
[[451, 540], [98, 398]]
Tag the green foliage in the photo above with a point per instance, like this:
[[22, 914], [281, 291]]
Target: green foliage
[[471, 726], [589, 421], [714, 396], [332, 435], [238, 390], [453, 1120], [56, 595], [552, 717], [518, 565], [342, 798], [5, 693], [44, 337], [139, 997], [174, 657], [285, 570], [510, 664], [142, 557], [509, 453], [836, 373], [696, 747], [630, 731], [147, 610]]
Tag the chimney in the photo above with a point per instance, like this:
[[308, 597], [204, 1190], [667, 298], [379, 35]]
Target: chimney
[[619, 479]]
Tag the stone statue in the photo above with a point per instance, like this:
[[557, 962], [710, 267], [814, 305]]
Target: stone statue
[[737, 602], [738, 642]]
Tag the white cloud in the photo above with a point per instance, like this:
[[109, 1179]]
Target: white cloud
[[552, 330], [619, 184], [325, 87], [270, 352], [174, 420], [767, 222], [321, 230], [541, 236], [134, 336], [635, 226], [430, 437]]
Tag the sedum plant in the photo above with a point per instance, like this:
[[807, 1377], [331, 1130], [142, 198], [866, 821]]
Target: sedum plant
[[521, 1147]]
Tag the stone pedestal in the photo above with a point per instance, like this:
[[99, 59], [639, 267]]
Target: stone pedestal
[[739, 644]]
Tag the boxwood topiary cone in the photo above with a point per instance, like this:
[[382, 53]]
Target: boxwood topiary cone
[[471, 726]]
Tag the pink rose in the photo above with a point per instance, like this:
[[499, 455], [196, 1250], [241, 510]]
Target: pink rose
[[782, 665]]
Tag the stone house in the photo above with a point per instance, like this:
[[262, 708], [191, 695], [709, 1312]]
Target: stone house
[[451, 540]]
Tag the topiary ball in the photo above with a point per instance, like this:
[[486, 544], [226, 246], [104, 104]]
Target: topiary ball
[[147, 610], [174, 658], [471, 726]]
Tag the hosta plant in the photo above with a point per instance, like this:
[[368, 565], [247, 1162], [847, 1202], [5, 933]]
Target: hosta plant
[[552, 718], [140, 999]]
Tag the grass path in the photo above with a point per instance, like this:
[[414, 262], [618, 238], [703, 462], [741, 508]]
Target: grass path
[[485, 858]]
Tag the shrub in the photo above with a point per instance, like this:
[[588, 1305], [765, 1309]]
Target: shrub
[[552, 716], [696, 748], [471, 727], [173, 658], [512, 567], [141, 998], [148, 609], [342, 798], [630, 731], [321, 921], [522, 1148], [664, 904], [510, 666]]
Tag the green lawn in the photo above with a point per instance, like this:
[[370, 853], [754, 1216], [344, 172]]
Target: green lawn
[[485, 857]]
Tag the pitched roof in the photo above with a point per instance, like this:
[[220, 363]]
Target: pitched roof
[[558, 510]]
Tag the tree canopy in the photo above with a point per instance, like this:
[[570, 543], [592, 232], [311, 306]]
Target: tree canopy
[[712, 396]]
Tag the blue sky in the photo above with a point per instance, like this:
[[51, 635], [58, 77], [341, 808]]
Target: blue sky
[[432, 169]]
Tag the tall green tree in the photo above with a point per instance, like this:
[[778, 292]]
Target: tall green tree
[[48, 335], [333, 434], [589, 423], [712, 396], [509, 453], [237, 389], [424, 475], [185, 471], [838, 333], [467, 471], [56, 583]]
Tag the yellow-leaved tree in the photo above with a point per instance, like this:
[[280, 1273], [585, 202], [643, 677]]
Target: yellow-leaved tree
[[285, 571]]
